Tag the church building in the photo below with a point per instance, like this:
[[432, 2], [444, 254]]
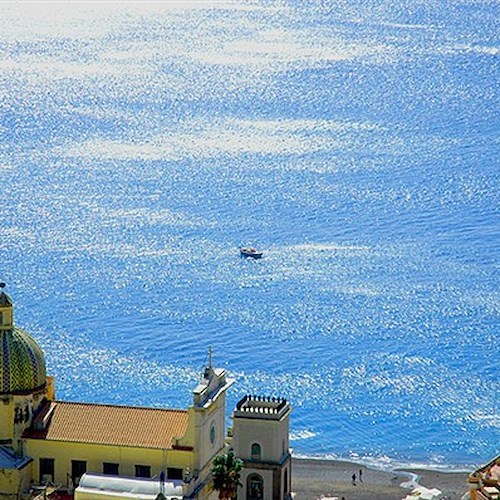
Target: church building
[[87, 450]]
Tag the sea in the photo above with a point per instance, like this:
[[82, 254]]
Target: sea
[[354, 142]]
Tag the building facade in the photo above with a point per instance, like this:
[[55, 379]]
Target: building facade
[[45, 441], [261, 439]]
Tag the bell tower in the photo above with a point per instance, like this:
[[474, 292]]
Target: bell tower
[[261, 439], [207, 424]]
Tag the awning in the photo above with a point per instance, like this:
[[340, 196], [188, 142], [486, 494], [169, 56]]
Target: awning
[[105, 486]]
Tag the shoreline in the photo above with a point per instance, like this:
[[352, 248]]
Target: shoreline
[[315, 478], [388, 466]]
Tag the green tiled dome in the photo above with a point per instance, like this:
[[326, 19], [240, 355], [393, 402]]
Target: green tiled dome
[[22, 363]]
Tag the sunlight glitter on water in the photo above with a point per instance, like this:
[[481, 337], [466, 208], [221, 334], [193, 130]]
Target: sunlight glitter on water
[[353, 145]]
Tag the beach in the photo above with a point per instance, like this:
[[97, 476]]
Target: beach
[[313, 479]]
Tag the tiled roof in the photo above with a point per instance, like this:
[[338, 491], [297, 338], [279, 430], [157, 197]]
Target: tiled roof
[[22, 364], [113, 425]]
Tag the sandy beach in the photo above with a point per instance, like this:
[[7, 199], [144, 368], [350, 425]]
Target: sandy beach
[[312, 479]]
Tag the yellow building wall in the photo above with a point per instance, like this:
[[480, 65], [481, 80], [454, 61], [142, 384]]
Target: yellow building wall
[[6, 418], [199, 429], [94, 454], [270, 434], [13, 481], [189, 436], [8, 403], [9, 482], [50, 389], [107, 495], [7, 316]]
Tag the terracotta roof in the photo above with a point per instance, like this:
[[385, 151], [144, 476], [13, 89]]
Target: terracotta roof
[[112, 425]]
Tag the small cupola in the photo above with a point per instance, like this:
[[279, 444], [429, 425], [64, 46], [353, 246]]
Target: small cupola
[[6, 310]]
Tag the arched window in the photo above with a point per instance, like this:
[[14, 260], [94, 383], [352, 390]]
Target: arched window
[[255, 487], [285, 481], [256, 451]]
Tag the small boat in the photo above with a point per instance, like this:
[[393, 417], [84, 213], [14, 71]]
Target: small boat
[[250, 252]]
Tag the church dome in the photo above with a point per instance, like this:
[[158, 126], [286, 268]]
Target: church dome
[[22, 363]]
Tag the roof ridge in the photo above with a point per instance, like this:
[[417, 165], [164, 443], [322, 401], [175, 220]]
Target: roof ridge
[[109, 405]]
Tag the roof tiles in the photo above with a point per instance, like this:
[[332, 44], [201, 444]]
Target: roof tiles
[[113, 425]]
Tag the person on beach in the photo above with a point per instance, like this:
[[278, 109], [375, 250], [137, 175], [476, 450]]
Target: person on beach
[[353, 479], [360, 475]]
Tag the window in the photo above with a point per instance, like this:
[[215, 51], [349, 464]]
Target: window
[[78, 469], [46, 470], [142, 471], [174, 473], [256, 451], [255, 487], [110, 469], [1, 318], [285, 480]]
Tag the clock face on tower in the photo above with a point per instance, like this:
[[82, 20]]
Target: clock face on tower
[[212, 433]]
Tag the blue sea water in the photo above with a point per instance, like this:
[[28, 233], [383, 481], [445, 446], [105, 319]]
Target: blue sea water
[[354, 142]]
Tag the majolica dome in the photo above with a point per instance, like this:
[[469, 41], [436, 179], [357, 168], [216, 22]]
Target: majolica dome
[[22, 363]]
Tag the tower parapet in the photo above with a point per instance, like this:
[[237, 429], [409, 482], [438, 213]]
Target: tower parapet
[[262, 407]]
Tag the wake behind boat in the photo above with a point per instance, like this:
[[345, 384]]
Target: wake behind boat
[[250, 252]]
